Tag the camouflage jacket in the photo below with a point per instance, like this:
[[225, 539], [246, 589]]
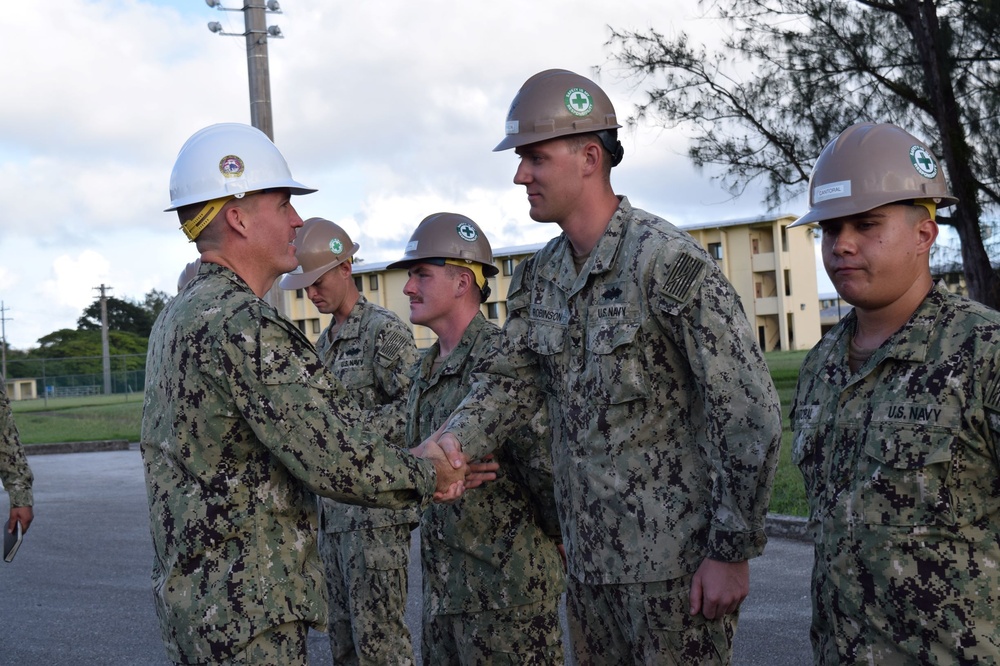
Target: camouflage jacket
[[14, 470], [241, 423], [901, 468], [371, 354], [666, 424], [495, 547]]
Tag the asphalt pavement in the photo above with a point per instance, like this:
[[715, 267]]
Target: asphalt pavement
[[78, 591]]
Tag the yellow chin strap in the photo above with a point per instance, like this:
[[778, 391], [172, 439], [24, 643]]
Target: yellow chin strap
[[476, 268], [193, 227], [929, 205]]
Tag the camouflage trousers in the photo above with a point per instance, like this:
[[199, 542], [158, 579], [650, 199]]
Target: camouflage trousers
[[649, 621], [529, 635], [284, 644], [366, 577]]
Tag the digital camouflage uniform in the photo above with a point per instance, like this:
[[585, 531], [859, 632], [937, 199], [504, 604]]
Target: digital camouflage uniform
[[666, 424], [902, 476], [492, 575], [367, 551], [241, 423], [14, 470]]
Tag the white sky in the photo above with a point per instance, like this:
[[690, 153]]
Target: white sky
[[390, 108]]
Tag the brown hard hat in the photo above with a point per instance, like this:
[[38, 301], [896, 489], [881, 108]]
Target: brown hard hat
[[188, 274], [870, 165], [555, 103], [319, 246], [448, 236]]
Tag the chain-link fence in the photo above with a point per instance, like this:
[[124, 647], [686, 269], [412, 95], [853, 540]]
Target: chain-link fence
[[79, 375]]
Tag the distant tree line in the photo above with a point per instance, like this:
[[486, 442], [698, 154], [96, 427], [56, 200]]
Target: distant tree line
[[70, 352]]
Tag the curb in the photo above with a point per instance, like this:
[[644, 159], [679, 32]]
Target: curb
[[77, 447]]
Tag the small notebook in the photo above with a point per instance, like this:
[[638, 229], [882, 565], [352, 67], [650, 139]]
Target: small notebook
[[11, 542]]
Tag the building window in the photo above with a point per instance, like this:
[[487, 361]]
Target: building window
[[358, 283], [299, 294], [788, 282], [508, 267], [301, 323], [784, 238], [492, 310], [373, 282], [315, 326], [715, 249]]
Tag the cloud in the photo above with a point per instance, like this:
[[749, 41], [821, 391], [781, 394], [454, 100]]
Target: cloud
[[391, 109]]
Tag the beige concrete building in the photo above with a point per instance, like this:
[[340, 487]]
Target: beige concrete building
[[773, 269], [21, 389]]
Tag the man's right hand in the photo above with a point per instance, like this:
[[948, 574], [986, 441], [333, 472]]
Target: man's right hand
[[449, 478], [20, 514]]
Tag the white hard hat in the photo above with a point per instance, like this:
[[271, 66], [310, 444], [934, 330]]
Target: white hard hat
[[225, 160]]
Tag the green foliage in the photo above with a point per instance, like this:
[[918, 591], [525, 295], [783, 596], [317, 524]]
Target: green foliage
[[122, 316], [789, 75]]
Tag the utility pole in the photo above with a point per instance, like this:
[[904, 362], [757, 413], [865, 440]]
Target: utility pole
[[3, 339], [257, 32], [105, 347], [255, 20]]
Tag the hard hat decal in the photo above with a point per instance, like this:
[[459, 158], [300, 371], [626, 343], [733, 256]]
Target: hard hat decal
[[923, 162], [412, 246], [579, 102], [838, 190], [512, 127], [231, 166], [467, 232], [336, 246]]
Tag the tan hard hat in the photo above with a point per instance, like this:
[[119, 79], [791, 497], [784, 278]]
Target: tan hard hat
[[448, 236], [870, 165], [188, 274], [555, 103], [319, 246]]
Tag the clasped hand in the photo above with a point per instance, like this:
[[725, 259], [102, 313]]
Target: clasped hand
[[454, 473]]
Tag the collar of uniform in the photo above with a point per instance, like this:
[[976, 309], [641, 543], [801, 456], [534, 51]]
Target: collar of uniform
[[910, 343], [352, 327], [210, 268], [456, 359], [562, 271]]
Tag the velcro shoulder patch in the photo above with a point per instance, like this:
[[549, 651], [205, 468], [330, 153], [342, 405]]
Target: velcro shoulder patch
[[991, 400], [392, 343], [682, 277]]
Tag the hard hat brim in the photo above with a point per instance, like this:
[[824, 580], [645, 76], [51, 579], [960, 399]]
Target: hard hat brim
[[307, 278]]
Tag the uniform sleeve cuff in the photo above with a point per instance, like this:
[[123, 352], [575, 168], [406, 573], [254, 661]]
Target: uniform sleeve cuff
[[730, 546]]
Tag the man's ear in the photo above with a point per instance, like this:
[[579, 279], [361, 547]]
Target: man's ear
[[236, 219], [927, 233], [592, 156], [464, 283]]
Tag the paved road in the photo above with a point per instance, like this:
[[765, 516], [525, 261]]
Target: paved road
[[78, 592]]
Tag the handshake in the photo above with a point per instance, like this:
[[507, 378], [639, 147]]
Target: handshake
[[455, 474]]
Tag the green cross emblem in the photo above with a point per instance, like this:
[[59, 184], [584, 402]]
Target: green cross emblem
[[923, 162], [578, 102]]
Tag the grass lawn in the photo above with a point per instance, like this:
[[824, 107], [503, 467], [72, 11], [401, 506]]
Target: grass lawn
[[82, 419], [118, 417]]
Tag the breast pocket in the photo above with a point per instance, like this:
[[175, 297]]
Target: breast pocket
[[907, 475], [615, 368]]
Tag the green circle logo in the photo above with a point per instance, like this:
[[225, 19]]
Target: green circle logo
[[923, 162], [578, 102], [467, 232], [336, 246]]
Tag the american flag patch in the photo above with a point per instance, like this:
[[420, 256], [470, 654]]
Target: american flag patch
[[992, 398], [682, 276], [391, 344]]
